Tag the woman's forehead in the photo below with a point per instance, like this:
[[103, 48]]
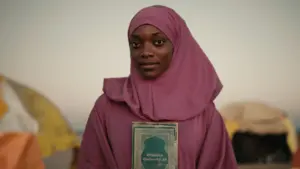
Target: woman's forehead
[[146, 30]]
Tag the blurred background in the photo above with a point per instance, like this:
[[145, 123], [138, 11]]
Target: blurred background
[[64, 49]]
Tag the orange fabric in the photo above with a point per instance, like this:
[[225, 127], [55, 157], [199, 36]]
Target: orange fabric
[[296, 159], [20, 151]]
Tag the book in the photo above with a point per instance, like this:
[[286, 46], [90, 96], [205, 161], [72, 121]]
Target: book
[[154, 145]]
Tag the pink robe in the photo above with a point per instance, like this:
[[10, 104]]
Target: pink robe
[[106, 144]]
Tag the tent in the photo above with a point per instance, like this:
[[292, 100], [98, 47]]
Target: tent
[[25, 110], [259, 133]]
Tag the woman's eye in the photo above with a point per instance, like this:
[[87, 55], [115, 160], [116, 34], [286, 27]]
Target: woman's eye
[[135, 45], [159, 42]]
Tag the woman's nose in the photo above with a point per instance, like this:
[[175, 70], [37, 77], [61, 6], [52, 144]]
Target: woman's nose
[[147, 55], [147, 51]]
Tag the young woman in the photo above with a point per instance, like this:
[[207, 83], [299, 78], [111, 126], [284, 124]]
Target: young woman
[[171, 79]]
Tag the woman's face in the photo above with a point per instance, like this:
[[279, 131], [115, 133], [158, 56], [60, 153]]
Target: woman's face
[[151, 51]]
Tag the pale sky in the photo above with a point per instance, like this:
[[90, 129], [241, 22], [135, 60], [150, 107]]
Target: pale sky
[[65, 48]]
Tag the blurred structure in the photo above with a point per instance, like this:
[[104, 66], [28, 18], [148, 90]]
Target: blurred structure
[[296, 160], [260, 133], [24, 110]]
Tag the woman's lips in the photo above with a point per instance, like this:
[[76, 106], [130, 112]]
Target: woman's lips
[[148, 66]]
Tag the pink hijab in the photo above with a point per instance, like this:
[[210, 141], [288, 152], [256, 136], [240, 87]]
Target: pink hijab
[[185, 90]]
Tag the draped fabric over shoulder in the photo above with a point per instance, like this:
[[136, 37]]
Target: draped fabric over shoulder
[[184, 93]]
